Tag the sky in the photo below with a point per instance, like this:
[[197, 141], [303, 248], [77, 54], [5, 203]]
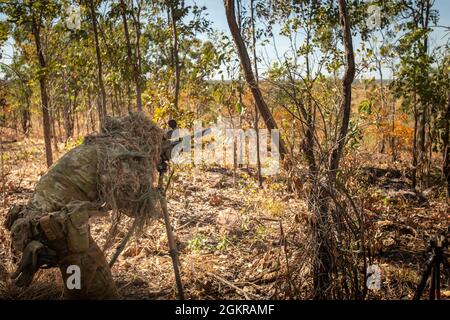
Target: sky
[[216, 13]]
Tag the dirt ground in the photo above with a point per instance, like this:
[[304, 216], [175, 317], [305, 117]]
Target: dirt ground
[[235, 241]]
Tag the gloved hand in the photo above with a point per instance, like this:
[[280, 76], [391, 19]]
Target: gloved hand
[[34, 256]]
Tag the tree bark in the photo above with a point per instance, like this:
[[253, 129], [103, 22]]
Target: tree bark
[[423, 119], [43, 90], [129, 52], [392, 140], [176, 59], [347, 81], [320, 199], [102, 102], [53, 127], [132, 61], [26, 116], [68, 114], [414, 148], [248, 73], [138, 62], [446, 147], [255, 63], [421, 148]]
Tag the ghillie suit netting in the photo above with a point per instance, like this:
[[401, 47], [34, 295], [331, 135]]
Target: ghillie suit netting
[[128, 151], [112, 170]]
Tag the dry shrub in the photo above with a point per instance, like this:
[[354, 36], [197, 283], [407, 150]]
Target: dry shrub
[[341, 243]]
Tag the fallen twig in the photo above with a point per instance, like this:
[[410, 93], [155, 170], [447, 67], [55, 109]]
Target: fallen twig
[[231, 285]]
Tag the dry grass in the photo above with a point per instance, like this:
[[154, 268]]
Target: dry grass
[[229, 237]]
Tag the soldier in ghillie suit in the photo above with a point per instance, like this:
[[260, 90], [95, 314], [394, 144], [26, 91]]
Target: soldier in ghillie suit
[[111, 171]]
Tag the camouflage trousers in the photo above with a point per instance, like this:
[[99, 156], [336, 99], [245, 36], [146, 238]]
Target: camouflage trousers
[[61, 239]]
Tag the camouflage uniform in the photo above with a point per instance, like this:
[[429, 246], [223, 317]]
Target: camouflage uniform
[[53, 228]]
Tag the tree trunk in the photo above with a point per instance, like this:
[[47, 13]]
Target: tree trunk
[[53, 129], [138, 62], [383, 106], [175, 60], [43, 90], [307, 144], [58, 119], [67, 114], [347, 81], [446, 147], [423, 119], [249, 76], [393, 148], [255, 63], [129, 52], [102, 102], [91, 113], [26, 116], [421, 149], [414, 149], [116, 99], [131, 61], [322, 236]]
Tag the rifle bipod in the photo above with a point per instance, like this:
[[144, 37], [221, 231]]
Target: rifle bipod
[[173, 252]]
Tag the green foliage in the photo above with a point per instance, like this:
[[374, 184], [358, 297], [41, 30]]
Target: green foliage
[[197, 243], [413, 81], [70, 144], [355, 134], [365, 108], [223, 243], [440, 82]]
